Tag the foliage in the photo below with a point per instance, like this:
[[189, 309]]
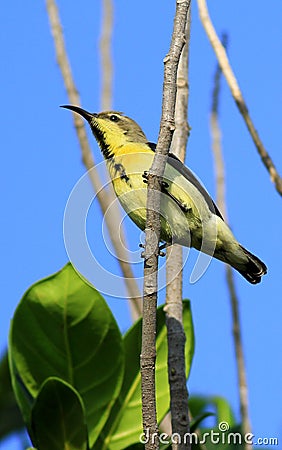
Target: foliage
[[58, 417], [77, 380], [67, 356], [63, 328]]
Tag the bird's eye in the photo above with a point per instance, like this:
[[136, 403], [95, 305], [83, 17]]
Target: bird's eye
[[114, 118]]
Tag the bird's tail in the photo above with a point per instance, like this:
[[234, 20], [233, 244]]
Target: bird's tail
[[247, 264], [231, 252], [251, 268]]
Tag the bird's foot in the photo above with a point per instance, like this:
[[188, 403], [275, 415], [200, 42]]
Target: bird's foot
[[143, 252], [164, 184], [161, 248], [145, 176]]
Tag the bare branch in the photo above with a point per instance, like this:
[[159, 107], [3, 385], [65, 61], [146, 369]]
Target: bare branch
[[148, 355], [106, 104], [216, 140], [237, 94], [220, 185], [241, 369], [105, 54], [105, 198], [175, 332]]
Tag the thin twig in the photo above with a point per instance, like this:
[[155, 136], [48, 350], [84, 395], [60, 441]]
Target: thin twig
[[148, 353], [106, 105], [237, 94], [241, 368], [105, 198], [105, 54], [220, 183], [173, 308]]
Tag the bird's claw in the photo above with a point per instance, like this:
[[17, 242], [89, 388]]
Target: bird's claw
[[145, 176], [160, 252], [161, 248], [142, 253]]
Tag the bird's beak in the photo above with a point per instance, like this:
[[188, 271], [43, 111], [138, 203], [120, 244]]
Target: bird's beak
[[87, 115]]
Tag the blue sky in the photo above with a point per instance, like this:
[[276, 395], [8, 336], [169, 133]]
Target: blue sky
[[41, 163]]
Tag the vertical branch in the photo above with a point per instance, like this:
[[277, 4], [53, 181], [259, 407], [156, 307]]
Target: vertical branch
[[148, 352], [105, 55], [237, 94], [105, 198], [216, 139], [175, 332], [135, 302], [220, 183], [241, 369]]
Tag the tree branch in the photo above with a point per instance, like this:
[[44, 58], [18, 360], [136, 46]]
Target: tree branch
[[237, 94], [148, 352], [174, 265], [105, 198], [220, 186], [105, 55], [106, 105]]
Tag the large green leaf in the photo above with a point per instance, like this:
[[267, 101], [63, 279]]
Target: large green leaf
[[63, 328], [124, 425], [58, 418]]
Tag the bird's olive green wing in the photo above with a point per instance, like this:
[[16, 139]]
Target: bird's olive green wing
[[183, 170]]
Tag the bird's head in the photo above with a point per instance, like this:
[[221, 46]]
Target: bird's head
[[111, 129]]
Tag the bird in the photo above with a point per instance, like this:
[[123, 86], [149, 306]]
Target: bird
[[188, 214]]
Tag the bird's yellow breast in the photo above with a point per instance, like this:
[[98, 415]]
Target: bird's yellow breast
[[127, 169]]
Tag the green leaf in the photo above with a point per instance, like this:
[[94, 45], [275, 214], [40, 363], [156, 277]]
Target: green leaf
[[219, 406], [225, 434], [10, 416], [224, 410], [58, 418], [63, 328], [124, 425], [196, 422]]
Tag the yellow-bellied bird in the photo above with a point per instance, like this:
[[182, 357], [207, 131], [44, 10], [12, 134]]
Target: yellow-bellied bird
[[188, 214]]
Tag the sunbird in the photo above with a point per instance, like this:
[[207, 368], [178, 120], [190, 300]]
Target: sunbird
[[189, 216]]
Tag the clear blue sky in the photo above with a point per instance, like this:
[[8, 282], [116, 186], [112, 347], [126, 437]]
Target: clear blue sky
[[41, 163]]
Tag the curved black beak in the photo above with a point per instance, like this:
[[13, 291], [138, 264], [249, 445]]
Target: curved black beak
[[87, 115]]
